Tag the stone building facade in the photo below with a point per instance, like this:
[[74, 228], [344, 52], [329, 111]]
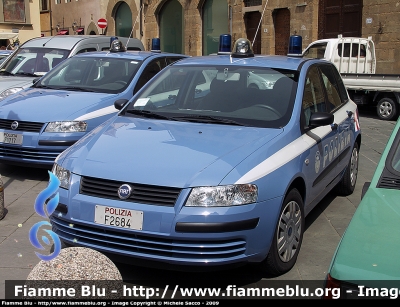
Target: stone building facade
[[268, 23]]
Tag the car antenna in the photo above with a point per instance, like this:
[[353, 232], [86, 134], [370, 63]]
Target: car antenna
[[48, 40], [127, 42], [259, 24]]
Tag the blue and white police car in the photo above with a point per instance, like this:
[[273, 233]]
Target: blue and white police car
[[38, 123], [201, 169]]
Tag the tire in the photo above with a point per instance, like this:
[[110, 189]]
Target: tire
[[288, 236], [386, 109], [347, 184]]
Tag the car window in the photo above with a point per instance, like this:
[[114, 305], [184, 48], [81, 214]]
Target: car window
[[36, 61], [86, 50], [149, 72], [331, 87], [396, 159], [100, 74], [316, 51], [313, 96], [188, 92]]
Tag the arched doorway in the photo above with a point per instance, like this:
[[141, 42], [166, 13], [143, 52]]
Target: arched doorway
[[251, 21], [171, 27], [215, 23], [281, 18], [123, 20]]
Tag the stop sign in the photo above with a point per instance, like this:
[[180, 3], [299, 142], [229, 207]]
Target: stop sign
[[102, 23]]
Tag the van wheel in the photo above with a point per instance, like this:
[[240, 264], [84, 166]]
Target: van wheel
[[347, 184], [288, 236], [386, 109]]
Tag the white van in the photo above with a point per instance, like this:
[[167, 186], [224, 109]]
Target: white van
[[37, 56]]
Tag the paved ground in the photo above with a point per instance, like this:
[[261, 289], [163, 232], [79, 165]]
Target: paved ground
[[324, 226]]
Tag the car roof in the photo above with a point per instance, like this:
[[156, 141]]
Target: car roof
[[134, 55], [276, 61], [69, 41]]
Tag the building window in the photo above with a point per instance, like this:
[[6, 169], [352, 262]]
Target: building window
[[14, 11], [44, 5], [57, 1], [248, 3]]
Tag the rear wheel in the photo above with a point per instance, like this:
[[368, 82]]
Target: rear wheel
[[386, 109], [288, 236], [348, 182]]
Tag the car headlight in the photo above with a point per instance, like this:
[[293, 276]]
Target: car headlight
[[62, 174], [10, 91], [67, 126], [223, 196]]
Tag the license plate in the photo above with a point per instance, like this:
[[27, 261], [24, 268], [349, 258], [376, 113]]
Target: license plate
[[11, 138], [117, 217]]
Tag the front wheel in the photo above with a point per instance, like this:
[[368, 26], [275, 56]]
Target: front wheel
[[386, 109], [288, 236]]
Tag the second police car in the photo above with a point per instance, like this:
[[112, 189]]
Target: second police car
[[38, 123], [203, 173]]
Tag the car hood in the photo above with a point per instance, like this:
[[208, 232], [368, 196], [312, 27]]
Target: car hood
[[165, 153], [368, 248], [53, 104], [15, 81]]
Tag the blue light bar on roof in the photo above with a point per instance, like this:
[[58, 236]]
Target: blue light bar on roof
[[155, 45], [225, 42], [295, 45]]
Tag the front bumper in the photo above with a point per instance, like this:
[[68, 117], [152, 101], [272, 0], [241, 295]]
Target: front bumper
[[178, 235], [37, 149]]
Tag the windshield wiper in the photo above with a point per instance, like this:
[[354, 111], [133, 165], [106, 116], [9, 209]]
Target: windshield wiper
[[208, 119], [76, 88], [6, 73], [149, 114], [43, 86], [26, 74]]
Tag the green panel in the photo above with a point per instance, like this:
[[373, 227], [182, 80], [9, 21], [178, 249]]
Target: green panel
[[215, 23], [171, 27], [123, 20]]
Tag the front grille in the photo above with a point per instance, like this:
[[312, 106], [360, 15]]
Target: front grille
[[128, 243], [386, 182], [22, 125], [141, 193], [45, 156]]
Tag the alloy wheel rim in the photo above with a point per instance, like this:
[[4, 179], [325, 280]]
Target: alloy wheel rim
[[354, 167], [289, 231]]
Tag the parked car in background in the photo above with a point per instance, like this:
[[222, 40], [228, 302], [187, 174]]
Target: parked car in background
[[38, 123], [183, 179], [37, 56], [365, 262], [4, 54]]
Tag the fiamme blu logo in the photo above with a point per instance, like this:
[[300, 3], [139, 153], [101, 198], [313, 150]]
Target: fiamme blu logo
[[45, 204]]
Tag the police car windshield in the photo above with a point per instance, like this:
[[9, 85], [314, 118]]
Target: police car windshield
[[248, 96], [33, 61], [100, 74]]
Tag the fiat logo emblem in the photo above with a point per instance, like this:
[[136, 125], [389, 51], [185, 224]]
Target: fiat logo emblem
[[124, 191], [14, 125]]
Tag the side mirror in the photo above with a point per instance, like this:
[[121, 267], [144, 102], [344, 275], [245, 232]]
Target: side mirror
[[35, 80], [318, 119], [120, 103]]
